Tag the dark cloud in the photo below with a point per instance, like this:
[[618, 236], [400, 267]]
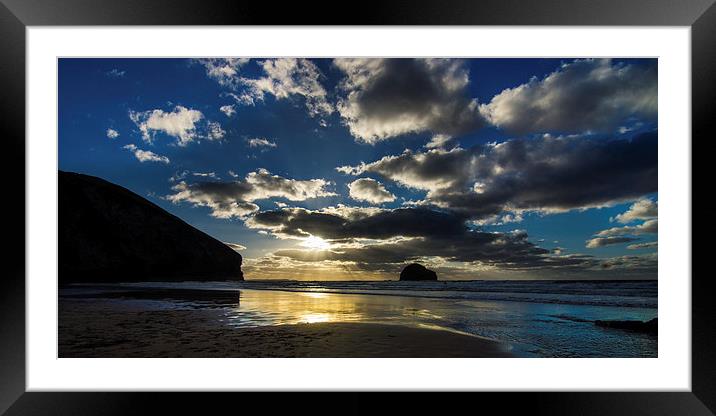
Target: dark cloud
[[380, 224], [386, 238], [547, 174], [628, 266], [585, 95], [385, 98], [235, 199]]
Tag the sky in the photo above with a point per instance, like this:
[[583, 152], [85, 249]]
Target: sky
[[351, 168]]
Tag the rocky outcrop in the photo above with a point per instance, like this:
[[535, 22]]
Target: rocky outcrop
[[647, 327], [110, 234], [416, 272]]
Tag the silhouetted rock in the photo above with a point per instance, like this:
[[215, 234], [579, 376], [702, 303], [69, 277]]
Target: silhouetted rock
[[110, 234], [648, 327], [417, 271]]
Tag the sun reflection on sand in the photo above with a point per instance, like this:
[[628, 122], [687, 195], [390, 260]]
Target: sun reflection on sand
[[285, 308], [312, 318], [315, 295]]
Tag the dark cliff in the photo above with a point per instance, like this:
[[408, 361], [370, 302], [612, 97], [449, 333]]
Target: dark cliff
[[110, 234]]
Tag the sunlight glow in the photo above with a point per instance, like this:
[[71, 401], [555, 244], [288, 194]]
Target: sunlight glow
[[316, 243]]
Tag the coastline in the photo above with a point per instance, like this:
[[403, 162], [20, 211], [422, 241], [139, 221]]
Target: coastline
[[95, 328], [171, 321]]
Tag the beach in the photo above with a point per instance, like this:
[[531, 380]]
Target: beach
[[355, 319], [107, 328]]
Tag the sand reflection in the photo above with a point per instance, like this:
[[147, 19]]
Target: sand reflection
[[263, 307]]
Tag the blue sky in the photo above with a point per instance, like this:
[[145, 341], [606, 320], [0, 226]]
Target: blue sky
[[530, 162]]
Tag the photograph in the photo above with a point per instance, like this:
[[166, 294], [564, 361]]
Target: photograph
[[358, 207]]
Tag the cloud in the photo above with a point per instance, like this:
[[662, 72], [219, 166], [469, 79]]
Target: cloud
[[643, 209], [112, 134], [639, 246], [370, 190], [235, 247], [348, 222], [229, 110], [179, 175], [223, 70], [380, 241], [648, 227], [205, 175], [438, 141], [585, 95], [380, 238], [545, 174], [507, 218], [384, 98], [607, 241], [146, 155], [646, 265], [235, 199], [284, 78], [115, 73], [180, 123], [214, 131], [260, 142]]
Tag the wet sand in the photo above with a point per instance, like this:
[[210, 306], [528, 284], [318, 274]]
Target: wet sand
[[108, 328]]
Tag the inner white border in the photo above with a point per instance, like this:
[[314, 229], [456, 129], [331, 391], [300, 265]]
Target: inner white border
[[671, 371]]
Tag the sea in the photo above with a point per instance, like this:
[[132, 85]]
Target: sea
[[533, 318]]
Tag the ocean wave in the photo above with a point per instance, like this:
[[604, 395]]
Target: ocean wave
[[641, 294]]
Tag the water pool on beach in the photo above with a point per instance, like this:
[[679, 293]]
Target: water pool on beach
[[530, 328]]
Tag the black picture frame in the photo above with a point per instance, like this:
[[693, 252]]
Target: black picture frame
[[15, 15]]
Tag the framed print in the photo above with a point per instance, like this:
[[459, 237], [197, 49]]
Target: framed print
[[446, 197]]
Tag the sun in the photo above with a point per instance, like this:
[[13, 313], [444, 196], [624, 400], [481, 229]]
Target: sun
[[316, 243]]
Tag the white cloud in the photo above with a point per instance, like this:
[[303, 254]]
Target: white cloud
[[112, 133], [260, 142], [146, 155], [507, 218], [585, 95], [370, 190], [385, 98], [180, 123], [116, 73], [235, 247], [214, 131], [287, 77], [639, 246], [643, 209], [607, 241], [229, 110], [179, 176], [648, 227], [205, 175], [223, 70], [438, 141]]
